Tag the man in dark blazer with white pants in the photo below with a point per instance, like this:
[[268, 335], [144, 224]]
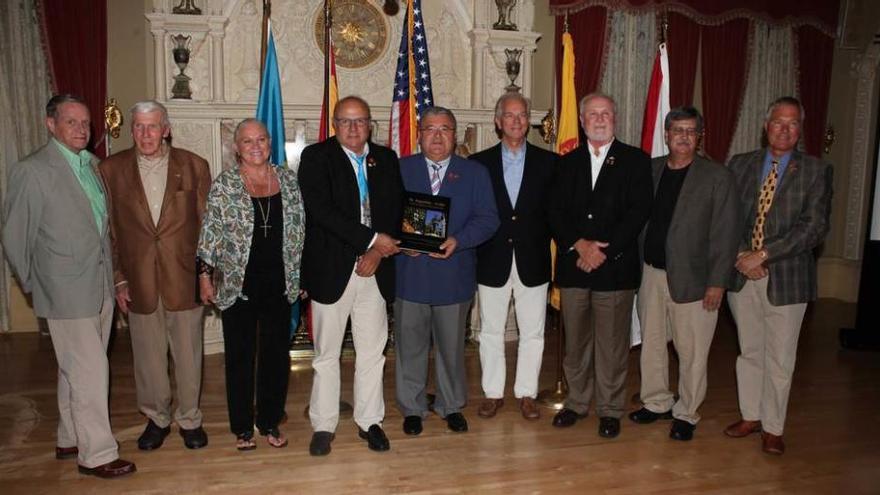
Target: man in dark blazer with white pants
[[434, 291], [516, 260], [352, 193], [785, 203], [688, 248], [57, 240], [601, 201]]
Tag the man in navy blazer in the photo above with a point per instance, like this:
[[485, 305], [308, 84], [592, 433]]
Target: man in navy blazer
[[434, 292], [601, 201], [516, 261]]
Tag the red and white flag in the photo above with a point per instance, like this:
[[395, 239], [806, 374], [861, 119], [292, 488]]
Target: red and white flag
[[656, 106]]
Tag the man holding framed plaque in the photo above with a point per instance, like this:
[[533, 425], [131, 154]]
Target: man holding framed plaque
[[434, 291]]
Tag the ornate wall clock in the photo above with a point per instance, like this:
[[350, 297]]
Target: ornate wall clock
[[359, 32]]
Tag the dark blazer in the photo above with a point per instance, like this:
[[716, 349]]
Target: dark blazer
[[703, 235], [796, 224], [156, 260], [472, 221], [335, 236], [524, 226], [51, 239], [614, 212]]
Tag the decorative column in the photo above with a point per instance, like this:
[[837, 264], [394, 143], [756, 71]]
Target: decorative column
[[157, 29], [217, 31]]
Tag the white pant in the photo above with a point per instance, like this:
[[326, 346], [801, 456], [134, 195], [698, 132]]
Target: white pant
[[530, 304], [369, 329]]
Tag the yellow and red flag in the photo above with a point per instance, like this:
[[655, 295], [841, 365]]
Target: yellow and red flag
[[332, 96]]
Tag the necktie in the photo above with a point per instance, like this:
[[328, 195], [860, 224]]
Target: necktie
[[765, 199], [363, 188], [435, 179]]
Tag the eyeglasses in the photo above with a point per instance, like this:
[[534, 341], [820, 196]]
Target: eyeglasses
[[681, 131], [352, 122], [434, 130]]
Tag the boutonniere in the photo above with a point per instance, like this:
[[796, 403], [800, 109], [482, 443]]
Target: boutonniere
[[792, 167], [371, 162], [610, 160], [452, 176]]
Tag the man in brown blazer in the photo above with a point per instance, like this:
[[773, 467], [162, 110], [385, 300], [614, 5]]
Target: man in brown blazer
[[157, 199], [785, 202]]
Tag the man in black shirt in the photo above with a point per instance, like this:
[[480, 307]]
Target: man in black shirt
[[689, 246]]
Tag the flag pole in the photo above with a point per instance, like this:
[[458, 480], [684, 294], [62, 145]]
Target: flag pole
[[328, 23], [267, 13]]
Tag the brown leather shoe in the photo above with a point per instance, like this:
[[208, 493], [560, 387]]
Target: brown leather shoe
[[529, 409], [62, 453], [772, 444], [489, 407], [112, 469], [742, 428]]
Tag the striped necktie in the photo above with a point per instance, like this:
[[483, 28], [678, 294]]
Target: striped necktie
[[435, 179], [765, 199]]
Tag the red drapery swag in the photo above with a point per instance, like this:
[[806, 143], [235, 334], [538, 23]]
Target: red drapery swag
[[819, 13], [724, 56], [815, 54], [75, 41], [587, 29]]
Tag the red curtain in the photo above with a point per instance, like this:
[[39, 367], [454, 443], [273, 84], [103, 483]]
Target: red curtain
[[682, 45], [815, 55], [725, 71], [587, 29], [75, 38], [820, 12]]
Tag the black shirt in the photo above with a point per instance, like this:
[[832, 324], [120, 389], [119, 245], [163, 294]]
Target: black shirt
[[264, 274], [661, 215]]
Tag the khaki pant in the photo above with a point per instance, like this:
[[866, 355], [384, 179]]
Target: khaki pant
[[597, 334], [369, 330], [768, 337], [692, 329], [152, 336], [84, 385]]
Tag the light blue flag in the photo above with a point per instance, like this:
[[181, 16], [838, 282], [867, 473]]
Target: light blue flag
[[269, 107]]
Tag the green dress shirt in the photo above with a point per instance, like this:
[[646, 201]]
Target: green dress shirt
[[81, 164]]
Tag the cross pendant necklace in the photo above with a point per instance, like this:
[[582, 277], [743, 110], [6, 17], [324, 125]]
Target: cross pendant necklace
[[263, 213]]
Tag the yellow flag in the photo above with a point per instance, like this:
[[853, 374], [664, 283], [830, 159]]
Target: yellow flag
[[567, 133]]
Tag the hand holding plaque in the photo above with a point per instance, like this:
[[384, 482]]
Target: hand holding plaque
[[425, 224]]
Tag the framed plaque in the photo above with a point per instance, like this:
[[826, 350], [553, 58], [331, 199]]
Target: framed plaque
[[425, 222]]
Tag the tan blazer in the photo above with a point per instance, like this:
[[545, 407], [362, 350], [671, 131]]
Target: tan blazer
[[156, 259]]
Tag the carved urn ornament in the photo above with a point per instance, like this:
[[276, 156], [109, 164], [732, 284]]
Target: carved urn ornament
[[505, 9], [181, 89], [512, 66]]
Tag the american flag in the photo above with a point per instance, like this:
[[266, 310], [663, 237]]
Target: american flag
[[412, 82]]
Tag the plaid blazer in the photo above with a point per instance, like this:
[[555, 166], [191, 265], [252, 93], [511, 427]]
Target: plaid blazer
[[796, 224]]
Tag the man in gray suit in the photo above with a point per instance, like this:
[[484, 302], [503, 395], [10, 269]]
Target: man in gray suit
[[785, 202], [689, 246], [57, 242]]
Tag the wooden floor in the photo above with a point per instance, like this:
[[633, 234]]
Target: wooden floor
[[833, 436]]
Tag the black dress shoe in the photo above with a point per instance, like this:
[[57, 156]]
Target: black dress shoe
[[112, 469], [645, 416], [195, 438], [153, 436], [609, 427], [62, 453], [456, 422], [412, 425], [320, 444], [681, 430], [567, 417], [375, 437]]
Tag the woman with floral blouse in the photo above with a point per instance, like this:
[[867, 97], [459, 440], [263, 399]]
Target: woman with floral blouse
[[249, 253]]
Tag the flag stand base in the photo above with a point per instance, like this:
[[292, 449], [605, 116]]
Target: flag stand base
[[553, 399]]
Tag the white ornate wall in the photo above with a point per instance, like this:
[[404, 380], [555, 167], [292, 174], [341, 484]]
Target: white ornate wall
[[467, 70]]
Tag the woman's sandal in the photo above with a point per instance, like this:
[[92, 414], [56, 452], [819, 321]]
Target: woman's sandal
[[275, 438], [245, 441]]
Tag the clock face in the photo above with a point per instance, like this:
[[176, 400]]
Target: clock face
[[359, 32]]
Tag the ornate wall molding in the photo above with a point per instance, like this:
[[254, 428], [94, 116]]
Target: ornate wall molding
[[860, 167]]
